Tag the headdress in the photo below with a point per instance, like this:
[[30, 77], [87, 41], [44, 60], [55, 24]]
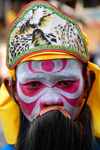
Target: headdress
[[41, 32]]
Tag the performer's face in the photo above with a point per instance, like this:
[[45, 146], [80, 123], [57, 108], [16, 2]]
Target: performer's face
[[50, 82]]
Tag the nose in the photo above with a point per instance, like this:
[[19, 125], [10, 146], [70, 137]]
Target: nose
[[51, 99]]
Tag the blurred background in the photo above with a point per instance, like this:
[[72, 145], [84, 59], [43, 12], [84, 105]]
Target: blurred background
[[86, 12]]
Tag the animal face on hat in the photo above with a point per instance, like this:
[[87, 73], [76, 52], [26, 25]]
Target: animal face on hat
[[40, 27]]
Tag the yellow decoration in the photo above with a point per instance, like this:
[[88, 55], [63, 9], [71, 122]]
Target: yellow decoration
[[9, 115], [9, 111], [94, 99]]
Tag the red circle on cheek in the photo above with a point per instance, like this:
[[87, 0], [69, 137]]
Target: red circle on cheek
[[48, 65]]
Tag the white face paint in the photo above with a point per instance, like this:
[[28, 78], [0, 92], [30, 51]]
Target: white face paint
[[50, 82]]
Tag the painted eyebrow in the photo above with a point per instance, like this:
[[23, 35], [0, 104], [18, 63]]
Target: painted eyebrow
[[55, 78], [69, 76], [31, 77]]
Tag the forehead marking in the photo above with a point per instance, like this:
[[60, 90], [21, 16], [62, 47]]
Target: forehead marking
[[64, 61], [31, 69], [48, 65]]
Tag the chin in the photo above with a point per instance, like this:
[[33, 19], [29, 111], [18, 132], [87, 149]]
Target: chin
[[53, 131]]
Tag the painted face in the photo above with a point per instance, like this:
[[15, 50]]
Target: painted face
[[50, 82]]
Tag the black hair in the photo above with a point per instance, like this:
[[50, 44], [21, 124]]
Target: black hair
[[53, 131]]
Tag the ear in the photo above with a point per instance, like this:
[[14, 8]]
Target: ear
[[10, 85], [91, 75]]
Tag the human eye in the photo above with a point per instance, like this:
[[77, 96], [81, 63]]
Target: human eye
[[65, 83], [33, 84]]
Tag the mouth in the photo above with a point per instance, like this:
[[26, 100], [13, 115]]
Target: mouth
[[53, 107]]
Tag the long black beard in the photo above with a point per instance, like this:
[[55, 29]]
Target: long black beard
[[53, 131]]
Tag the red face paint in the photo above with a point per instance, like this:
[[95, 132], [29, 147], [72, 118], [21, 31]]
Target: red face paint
[[51, 82], [30, 90], [68, 86], [28, 107], [48, 65]]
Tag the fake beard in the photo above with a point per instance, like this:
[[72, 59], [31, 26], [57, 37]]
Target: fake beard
[[53, 131]]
